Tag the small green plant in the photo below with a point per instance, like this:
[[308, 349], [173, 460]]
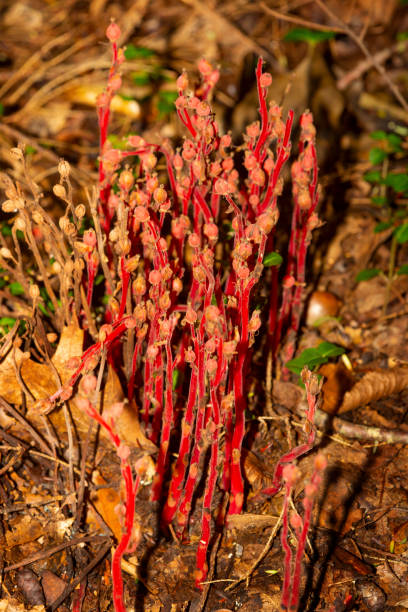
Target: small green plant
[[389, 180], [312, 358], [310, 36]]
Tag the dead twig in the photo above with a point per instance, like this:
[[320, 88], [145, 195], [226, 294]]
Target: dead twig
[[374, 61], [44, 554], [16, 415], [359, 42], [81, 577], [368, 63]]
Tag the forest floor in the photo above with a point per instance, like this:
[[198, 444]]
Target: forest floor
[[347, 62]]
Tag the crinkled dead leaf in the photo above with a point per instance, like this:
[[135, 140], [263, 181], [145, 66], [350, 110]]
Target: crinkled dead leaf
[[42, 380], [22, 530]]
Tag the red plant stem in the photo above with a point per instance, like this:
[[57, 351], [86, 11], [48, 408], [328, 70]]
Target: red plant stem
[[298, 451], [286, 547], [283, 156], [119, 328], [79, 597], [157, 397], [172, 178], [301, 545], [300, 247], [202, 566], [178, 476], [168, 417], [237, 484], [202, 204], [265, 128], [130, 498], [308, 503], [186, 121], [185, 505], [117, 580]]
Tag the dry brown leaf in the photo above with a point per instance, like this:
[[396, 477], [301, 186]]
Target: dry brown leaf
[[23, 530], [42, 381], [256, 471], [338, 380], [248, 521], [107, 502], [370, 295], [12, 605], [53, 586], [373, 386]]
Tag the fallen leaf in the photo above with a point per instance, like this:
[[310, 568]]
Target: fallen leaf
[[338, 380], [53, 586], [107, 502], [22, 530], [42, 381], [12, 605]]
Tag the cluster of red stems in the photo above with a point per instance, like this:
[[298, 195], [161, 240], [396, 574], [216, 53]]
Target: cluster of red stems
[[184, 311]]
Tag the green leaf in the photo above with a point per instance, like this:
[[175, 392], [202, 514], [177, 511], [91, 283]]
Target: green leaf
[[176, 378], [43, 309], [16, 289], [398, 182], [99, 279], [313, 357], [141, 78], [403, 270], [327, 350], [378, 135], [272, 259], [379, 200], [6, 230], [29, 150], [7, 322], [380, 227], [367, 274], [401, 233], [308, 357], [309, 36], [374, 176], [165, 104], [117, 143], [394, 141], [132, 52], [377, 155], [1, 109]]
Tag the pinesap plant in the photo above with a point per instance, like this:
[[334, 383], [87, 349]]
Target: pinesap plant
[[179, 238]]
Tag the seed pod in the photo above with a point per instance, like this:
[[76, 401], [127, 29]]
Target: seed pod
[[64, 168], [59, 191]]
